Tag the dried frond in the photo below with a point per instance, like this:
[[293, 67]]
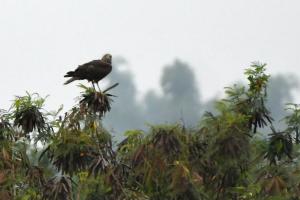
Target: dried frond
[[274, 185], [166, 140], [35, 176], [98, 165], [58, 188], [232, 145]]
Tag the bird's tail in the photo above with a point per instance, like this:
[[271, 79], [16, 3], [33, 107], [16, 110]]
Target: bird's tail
[[69, 74], [70, 80]]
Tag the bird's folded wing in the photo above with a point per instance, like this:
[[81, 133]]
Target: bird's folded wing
[[92, 68]]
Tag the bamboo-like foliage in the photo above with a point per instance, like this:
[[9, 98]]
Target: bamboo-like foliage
[[257, 93], [96, 102], [225, 157], [27, 113], [293, 121]]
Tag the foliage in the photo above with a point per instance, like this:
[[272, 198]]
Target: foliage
[[27, 114], [74, 157], [96, 102], [292, 120]]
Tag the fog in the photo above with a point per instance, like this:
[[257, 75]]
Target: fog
[[180, 98], [191, 48]]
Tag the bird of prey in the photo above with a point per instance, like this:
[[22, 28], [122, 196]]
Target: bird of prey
[[92, 71]]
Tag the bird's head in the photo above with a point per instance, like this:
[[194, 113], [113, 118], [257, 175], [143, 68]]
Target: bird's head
[[107, 58]]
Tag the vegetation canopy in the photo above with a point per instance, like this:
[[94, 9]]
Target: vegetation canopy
[[235, 152]]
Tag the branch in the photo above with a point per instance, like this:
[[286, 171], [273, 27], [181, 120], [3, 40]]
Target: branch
[[111, 87]]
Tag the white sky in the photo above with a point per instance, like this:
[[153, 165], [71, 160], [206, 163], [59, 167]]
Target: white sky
[[41, 40]]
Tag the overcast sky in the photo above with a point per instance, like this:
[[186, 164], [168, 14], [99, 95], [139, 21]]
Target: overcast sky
[[41, 40]]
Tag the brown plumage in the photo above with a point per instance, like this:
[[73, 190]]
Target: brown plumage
[[92, 71]]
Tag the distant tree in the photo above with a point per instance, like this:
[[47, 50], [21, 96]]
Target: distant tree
[[127, 113], [180, 99], [280, 92]]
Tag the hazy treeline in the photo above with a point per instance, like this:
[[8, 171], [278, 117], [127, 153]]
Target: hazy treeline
[[180, 100]]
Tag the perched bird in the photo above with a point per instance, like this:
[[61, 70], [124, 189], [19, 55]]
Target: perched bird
[[92, 71]]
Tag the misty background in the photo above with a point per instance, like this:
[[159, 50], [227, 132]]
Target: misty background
[[180, 100], [172, 58]]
